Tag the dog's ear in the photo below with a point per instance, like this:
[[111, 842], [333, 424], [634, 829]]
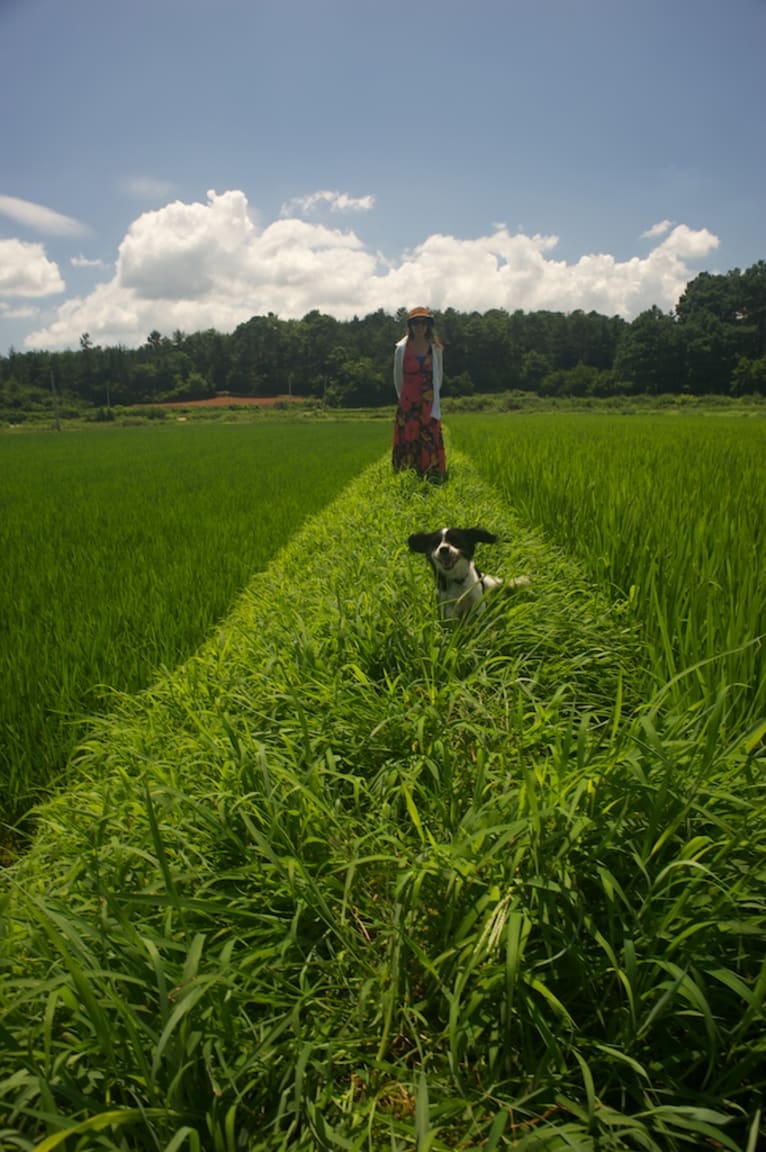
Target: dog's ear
[[421, 542], [481, 535]]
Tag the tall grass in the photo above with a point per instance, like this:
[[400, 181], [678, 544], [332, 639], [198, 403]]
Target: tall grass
[[351, 879], [121, 549], [667, 513]]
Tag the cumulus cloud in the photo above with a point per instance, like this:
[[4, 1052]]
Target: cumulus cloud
[[657, 230], [39, 218], [689, 243], [24, 313], [186, 251], [25, 270], [335, 201], [208, 265]]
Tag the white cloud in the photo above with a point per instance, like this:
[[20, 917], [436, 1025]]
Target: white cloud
[[688, 243], [208, 265], [25, 270], [657, 230], [26, 312], [337, 202], [39, 218], [186, 251], [83, 262]]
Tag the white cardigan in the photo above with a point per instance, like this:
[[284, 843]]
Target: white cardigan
[[436, 360]]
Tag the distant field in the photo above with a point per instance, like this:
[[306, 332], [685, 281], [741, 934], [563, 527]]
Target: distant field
[[234, 402], [120, 550]]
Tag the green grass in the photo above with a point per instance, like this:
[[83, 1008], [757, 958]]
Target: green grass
[[666, 513], [352, 879], [123, 547]]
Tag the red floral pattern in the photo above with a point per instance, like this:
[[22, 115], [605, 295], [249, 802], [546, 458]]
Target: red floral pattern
[[418, 440]]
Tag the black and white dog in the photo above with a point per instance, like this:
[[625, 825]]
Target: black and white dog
[[460, 586]]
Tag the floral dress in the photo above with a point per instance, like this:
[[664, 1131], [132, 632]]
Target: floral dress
[[418, 440]]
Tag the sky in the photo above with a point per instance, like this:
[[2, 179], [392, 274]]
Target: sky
[[177, 165]]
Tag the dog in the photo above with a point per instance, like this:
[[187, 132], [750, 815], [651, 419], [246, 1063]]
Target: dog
[[460, 585]]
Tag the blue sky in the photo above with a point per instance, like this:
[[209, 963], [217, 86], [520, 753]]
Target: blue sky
[[185, 164]]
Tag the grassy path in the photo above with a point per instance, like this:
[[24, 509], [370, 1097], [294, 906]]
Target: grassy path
[[353, 879]]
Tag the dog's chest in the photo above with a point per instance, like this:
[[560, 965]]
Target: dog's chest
[[452, 585], [458, 593]]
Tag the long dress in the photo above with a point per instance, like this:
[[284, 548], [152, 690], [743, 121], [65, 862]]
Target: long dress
[[418, 439]]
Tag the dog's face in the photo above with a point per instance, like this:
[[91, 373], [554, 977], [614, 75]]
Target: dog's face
[[450, 550]]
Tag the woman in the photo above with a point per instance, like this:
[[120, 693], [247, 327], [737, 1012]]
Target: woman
[[418, 362]]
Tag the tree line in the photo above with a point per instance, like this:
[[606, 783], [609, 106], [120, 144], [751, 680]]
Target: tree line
[[714, 342]]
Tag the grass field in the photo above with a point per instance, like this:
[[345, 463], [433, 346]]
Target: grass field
[[351, 879], [665, 513], [122, 548]]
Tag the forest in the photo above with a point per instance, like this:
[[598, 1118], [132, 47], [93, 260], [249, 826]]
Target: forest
[[713, 343]]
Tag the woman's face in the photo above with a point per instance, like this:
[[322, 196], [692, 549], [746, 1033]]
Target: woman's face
[[419, 326]]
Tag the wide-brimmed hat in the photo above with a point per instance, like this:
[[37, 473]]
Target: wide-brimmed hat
[[414, 313]]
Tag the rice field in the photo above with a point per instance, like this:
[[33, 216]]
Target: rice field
[[121, 549], [666, 514], [348, 878]]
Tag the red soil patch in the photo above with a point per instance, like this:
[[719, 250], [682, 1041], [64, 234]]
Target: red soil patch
[[232, 401]]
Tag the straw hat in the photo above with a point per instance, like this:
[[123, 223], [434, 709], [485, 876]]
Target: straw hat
[[414, 313]]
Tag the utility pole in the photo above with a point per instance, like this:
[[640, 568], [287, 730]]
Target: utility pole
[[56, 406]]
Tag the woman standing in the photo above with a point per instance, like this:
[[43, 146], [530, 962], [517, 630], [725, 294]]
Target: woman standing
[[418, 365]]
